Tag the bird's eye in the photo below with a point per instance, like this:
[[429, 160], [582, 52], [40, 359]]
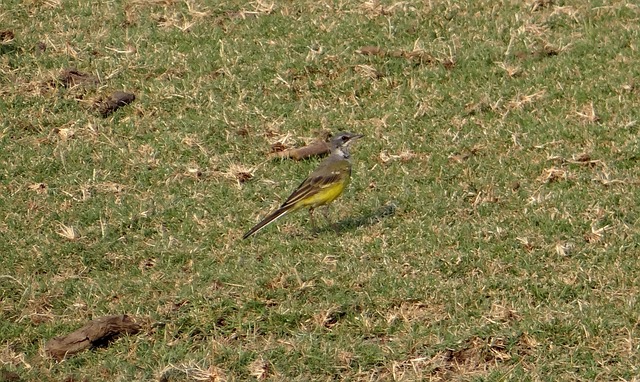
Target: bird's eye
[[345, 138]]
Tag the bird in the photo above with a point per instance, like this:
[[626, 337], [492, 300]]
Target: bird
[[322, 186]]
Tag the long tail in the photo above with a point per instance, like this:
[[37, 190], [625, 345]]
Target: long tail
[[266, 221]]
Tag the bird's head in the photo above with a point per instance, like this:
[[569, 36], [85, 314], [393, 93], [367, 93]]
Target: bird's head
[[341, 141], [344, 139]]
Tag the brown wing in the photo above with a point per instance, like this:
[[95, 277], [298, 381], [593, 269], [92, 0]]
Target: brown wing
[[329, 172]]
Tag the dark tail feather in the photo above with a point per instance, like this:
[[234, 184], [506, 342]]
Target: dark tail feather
[[272, 216]]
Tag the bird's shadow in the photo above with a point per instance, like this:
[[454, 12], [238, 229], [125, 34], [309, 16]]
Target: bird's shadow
[[365, 219]]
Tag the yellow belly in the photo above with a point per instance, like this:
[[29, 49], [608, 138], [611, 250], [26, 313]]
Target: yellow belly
[[326, 195]]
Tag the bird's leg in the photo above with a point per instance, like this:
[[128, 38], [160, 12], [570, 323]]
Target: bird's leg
[[326, 214], [312, 221]]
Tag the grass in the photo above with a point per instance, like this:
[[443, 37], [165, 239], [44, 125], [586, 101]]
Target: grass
[[490, 231]]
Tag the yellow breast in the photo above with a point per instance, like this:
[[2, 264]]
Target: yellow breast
[[326, 195]]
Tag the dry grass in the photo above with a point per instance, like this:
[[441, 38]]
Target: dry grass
[[489, 232]]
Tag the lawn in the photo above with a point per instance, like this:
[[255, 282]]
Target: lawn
[[490, 231]]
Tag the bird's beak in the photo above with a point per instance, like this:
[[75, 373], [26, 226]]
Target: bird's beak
[[353, 138]]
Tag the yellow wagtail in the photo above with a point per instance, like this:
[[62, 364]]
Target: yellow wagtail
[[322, 187]]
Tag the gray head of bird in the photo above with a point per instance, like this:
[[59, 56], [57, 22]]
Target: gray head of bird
[[341, 141]]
